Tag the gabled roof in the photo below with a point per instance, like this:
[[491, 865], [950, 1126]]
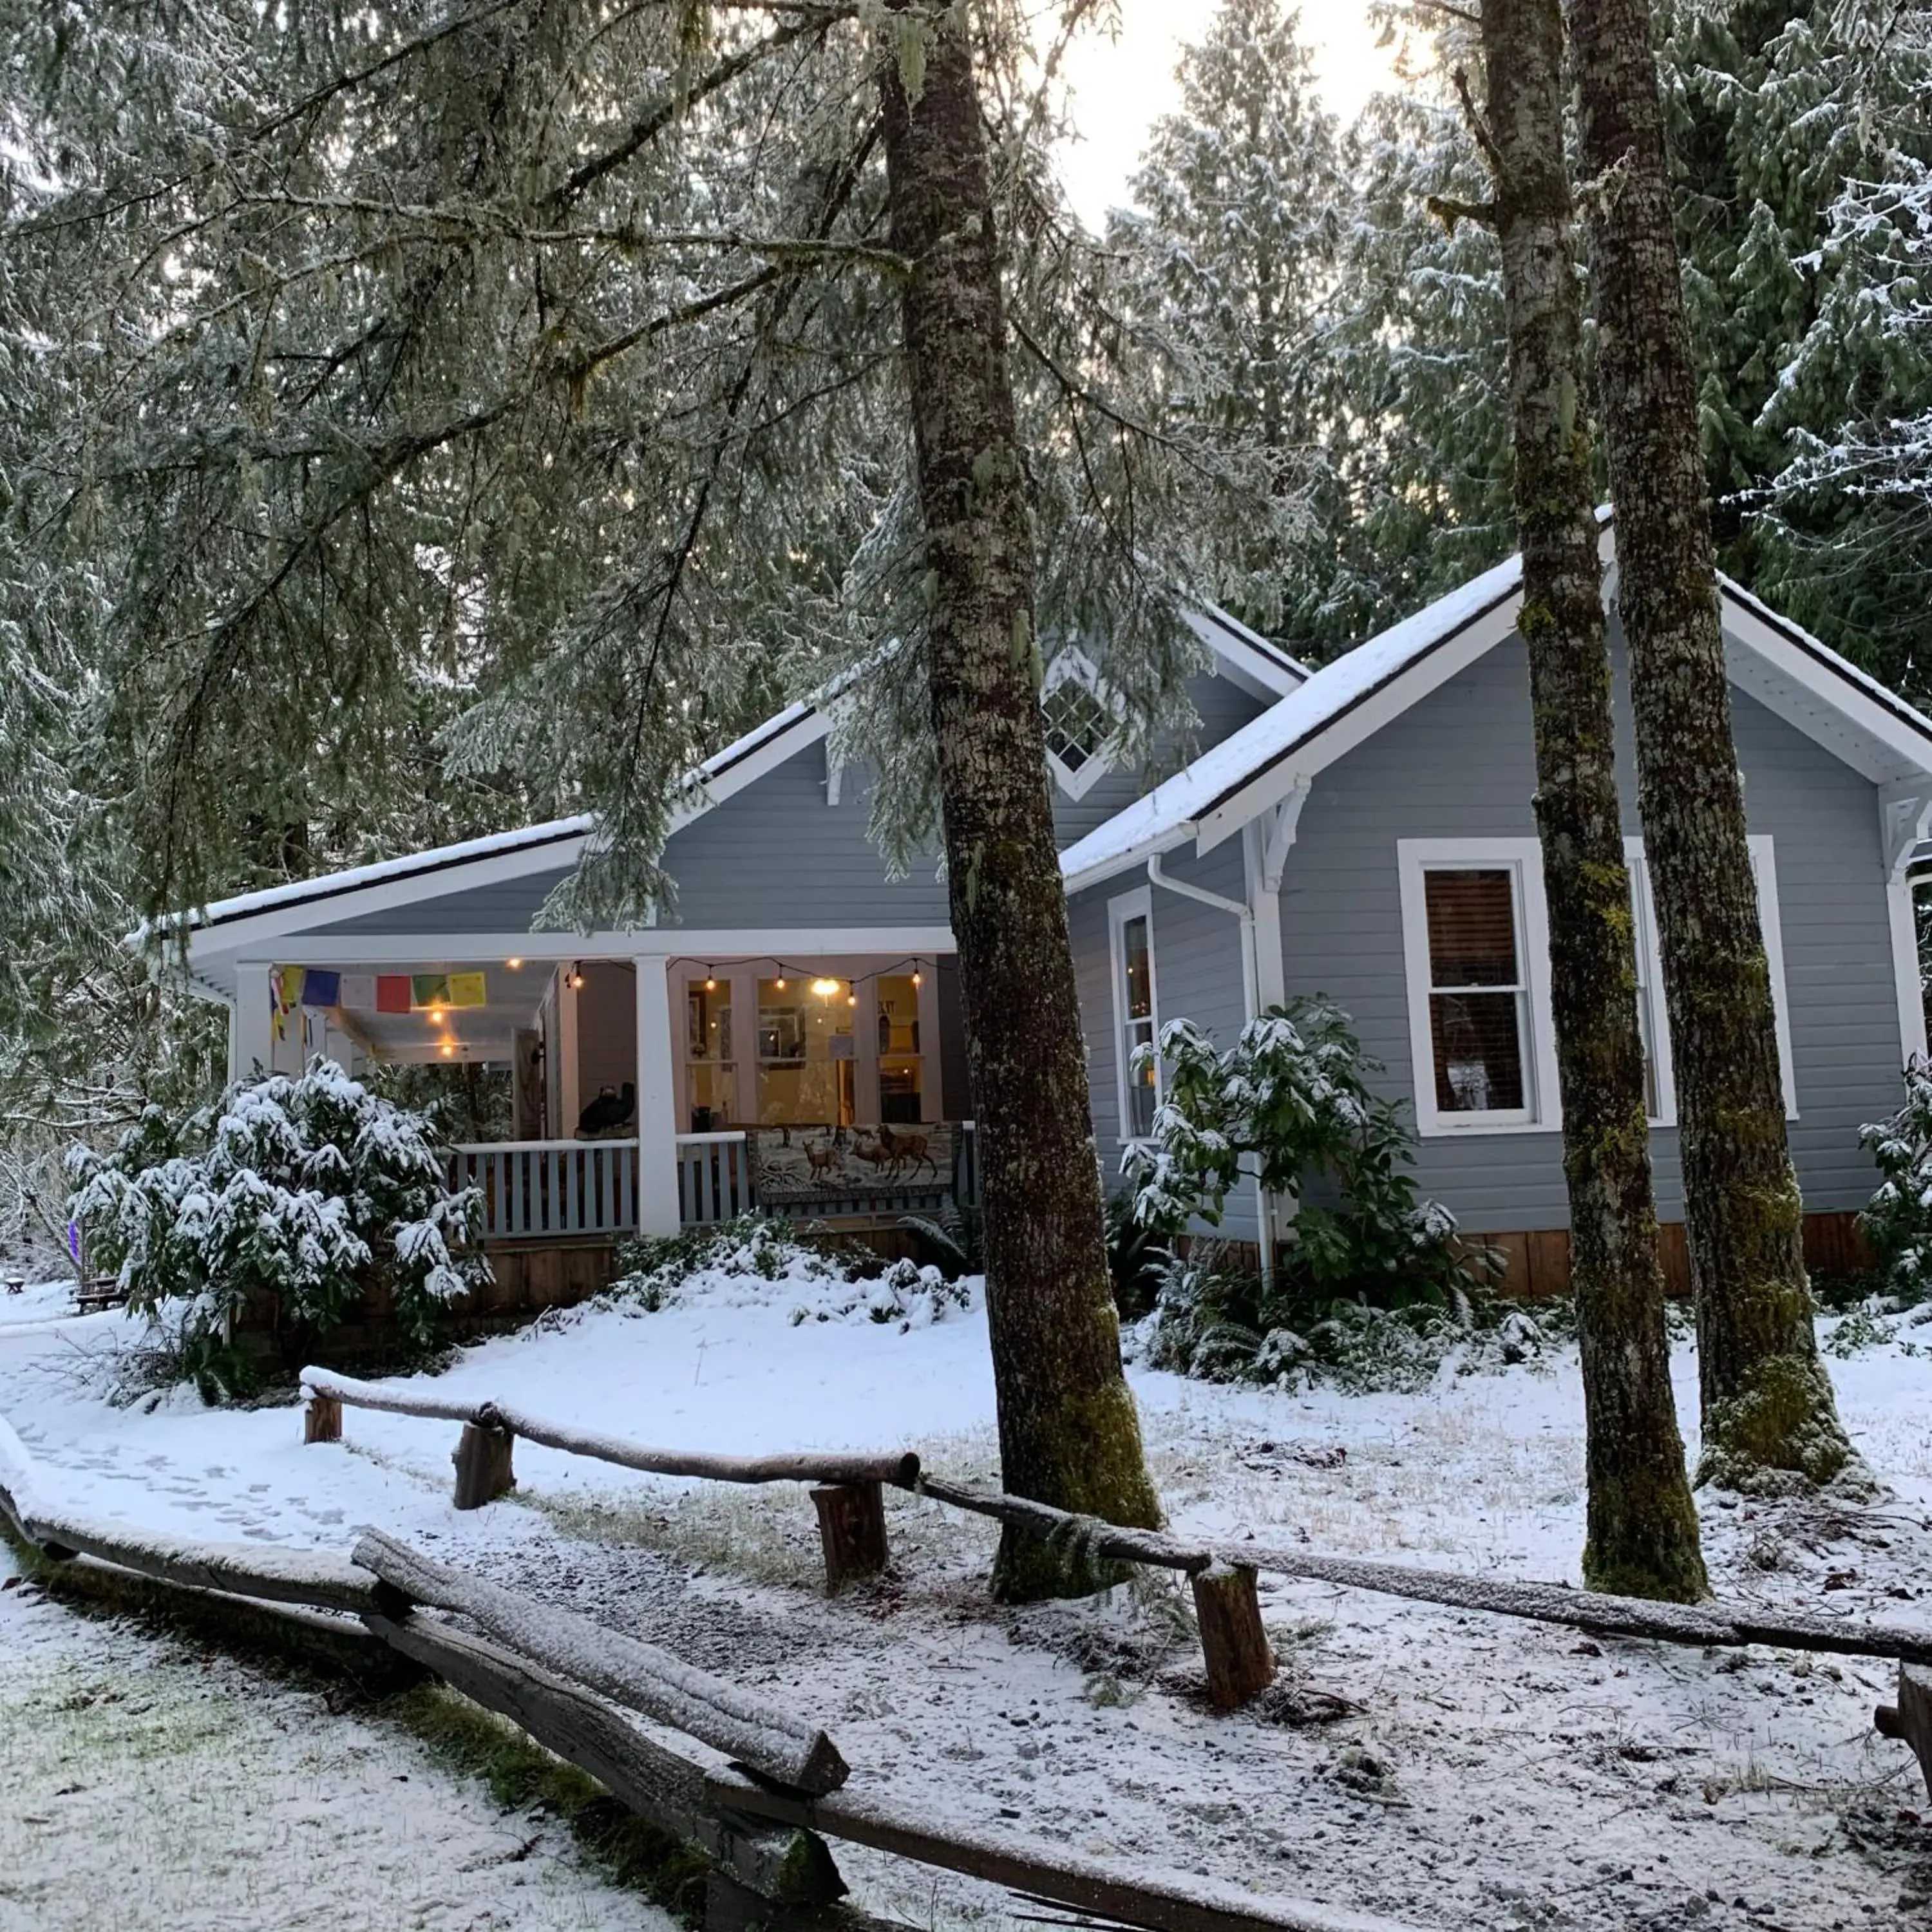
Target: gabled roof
[[1256, 768], [1261, 668]]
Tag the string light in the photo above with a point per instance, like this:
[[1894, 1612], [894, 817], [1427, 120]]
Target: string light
[[515, 965], [448, 1049], [710, 980]]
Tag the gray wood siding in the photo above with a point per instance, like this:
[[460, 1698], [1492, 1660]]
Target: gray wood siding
[[778, 855], [1460, 764], [1197, 975], [1223, 708], [510, 905]]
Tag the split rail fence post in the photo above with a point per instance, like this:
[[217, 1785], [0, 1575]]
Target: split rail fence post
[[1910, 1719], [1240, 1663], [483, 1471], [852, 1530], [322, 1420]]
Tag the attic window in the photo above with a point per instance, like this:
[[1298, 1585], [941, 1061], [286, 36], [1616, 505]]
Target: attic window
[[1078, 724]]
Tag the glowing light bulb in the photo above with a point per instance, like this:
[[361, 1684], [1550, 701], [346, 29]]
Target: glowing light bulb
[[918, 977], [779, 984], [515, 965], [448, 1049]]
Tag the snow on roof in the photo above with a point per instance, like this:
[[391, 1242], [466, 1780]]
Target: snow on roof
[[1167, 813]]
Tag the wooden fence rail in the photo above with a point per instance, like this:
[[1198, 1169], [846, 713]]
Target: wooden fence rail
[[754, 1787], [1223, 1577]]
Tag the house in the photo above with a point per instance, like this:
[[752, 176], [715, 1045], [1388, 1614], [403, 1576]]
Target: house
[[792, 1037]]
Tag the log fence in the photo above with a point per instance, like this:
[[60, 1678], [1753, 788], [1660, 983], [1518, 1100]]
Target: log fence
[[756, 1788], [1239, 1663]]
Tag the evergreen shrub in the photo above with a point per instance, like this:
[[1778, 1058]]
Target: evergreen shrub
[[1289, 1104], [303, 1197]]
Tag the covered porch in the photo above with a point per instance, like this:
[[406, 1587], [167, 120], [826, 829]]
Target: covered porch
[[821, 1078]]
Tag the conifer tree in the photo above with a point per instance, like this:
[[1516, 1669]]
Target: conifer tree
[[556, 360], [1642, 1536], [1241, 210], [1768, 1406]]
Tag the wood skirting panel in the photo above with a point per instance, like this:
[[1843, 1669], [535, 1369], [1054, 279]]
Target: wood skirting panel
[[530, 1277], [1536, 1264]]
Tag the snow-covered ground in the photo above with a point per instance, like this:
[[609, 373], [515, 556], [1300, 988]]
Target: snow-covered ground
[[1449, 1769]]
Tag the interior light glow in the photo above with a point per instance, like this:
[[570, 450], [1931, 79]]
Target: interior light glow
[[825, 988]]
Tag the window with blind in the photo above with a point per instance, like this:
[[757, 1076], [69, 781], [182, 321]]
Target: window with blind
[[1136, 1021], [1476, 951], [1478, 990]]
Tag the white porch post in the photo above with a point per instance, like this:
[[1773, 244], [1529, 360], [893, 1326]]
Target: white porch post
[[250, 1037], [657, 1099], [1904, 813]]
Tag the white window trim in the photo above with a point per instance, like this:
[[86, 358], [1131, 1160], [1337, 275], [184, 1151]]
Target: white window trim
[[1414, 856], [1077, 667], [1764, 875], [1136, 904], [1524, 857]]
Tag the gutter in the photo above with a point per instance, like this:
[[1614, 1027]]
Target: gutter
[[1251, 1005]]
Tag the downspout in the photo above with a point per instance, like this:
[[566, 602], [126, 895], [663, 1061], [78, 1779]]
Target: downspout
[[1251, 1007]]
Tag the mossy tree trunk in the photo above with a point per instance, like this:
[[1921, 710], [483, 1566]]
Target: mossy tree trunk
[[1642, 1534], [1069, 1433], [1767, 1403]]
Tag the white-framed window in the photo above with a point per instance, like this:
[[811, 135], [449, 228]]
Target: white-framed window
[[1476, 946], [1660, 1071], [1080, 723], [1476, 953], [1136, 1010]]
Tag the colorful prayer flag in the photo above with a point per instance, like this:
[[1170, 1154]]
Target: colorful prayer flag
[[285, 988], [359, 992], [468, 989], [392, 993], [321, 989], [429, 989]]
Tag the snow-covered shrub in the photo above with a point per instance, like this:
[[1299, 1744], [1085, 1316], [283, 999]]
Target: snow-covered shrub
[[1897, 1220], [652, 1267], [753, 1262], [1289, 1102], [306, 1194], [1218, 1324]]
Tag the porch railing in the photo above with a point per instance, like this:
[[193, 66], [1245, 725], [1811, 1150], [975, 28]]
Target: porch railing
[[553, 1190], [714, 1178], [550, 1190]]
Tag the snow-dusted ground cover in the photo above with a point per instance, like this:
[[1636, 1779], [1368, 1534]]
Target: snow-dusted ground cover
[[146, 1783], [1470, 1771]]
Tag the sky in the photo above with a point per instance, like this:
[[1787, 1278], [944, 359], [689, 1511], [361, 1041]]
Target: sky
[[1120, 86]]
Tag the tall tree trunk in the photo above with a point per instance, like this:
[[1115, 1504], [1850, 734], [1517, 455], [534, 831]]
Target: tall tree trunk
[[1068, 1433], [1642, 1535], [1768, 1405]]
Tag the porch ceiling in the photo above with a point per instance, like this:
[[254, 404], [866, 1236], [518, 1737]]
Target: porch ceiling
[[513, 996]]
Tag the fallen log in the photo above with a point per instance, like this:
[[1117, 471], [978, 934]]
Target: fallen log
[[1047, 1869], [764, 1736], [788, 1865]]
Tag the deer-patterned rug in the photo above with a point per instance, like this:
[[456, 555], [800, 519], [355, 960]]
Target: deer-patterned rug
[[791, 1166]]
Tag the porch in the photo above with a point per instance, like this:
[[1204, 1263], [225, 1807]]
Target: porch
[[610, 1095]]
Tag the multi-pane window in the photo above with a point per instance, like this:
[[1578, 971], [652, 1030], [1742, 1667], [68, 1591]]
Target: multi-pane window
[[1077, 725], [1478, 990], [711, 1072], [1476, 948], [1136, 1025]]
